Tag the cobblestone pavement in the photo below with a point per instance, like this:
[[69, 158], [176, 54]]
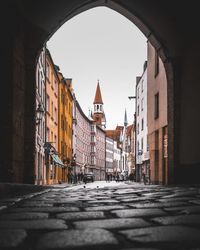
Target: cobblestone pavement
[[116, 217]]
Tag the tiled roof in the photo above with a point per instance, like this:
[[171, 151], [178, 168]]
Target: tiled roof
[[98, 98]]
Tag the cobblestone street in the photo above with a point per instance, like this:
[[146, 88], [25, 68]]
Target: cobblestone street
[[120, 216]]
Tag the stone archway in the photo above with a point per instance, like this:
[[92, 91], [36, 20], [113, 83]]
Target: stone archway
[[31, 24]]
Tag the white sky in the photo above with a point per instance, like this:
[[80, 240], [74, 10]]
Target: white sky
[[101, 44]]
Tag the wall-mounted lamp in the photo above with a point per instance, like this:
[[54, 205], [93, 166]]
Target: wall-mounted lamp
[[39, 114], [131, 97]]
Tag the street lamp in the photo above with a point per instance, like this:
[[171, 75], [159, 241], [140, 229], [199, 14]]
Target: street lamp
[[39, 114]]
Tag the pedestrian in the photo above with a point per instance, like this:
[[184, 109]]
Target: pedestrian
[[79, 177], [144, 176], [117, 177], [85, 179]]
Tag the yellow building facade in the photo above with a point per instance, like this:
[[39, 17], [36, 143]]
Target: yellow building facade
[[65, 104]]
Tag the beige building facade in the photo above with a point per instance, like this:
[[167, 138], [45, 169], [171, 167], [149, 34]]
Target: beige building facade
[[157, 117]]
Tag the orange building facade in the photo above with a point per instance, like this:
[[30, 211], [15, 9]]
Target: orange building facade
[[53, 163]]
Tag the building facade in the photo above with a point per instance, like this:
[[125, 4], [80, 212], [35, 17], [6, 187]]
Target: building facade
[[109, 158], [157, 117], [82, 147], [65, 102], [53, 162], [142, 147], [40, 170], [131, 149], [100, 144]]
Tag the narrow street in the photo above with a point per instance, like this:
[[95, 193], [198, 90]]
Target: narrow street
[[103, 215]]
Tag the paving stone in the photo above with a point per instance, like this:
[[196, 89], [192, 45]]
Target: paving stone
[[34, 224], [163, 234], [81, 215], [184, 209], [181, 193], [23, 216], [174, 199], [157, 204], [2, 207], [36, 204], [179, 220], [138, 212], [76, 238], [195, 201], [11, 238], [137, 199], [105, 208], [112, 223], [103, 201], [45, 209]]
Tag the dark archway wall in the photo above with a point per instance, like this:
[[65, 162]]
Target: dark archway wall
[[171, 26]]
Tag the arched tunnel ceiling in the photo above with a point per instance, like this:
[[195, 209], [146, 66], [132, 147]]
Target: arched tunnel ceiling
[[167, 20]]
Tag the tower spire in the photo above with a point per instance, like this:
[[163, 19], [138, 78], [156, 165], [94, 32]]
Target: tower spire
[[125, 119], [98, 98]]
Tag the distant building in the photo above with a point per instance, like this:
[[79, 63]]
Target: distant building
[[130, 135], [110, 157], [40, 170], [142, 147], [116, 159], [83, 130], [157, 117], [100, 144]]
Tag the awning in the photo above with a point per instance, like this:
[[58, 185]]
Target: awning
[[57, 160]]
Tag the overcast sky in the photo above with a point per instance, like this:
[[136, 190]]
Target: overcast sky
[[101, 44]]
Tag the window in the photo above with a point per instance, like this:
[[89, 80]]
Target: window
[[138, 110], [156, 64], [156, 106], [138, 92], [142, 144], [138, 147], [142, 85], [47, 71], [47, 107], [138, 127], [52, 108], [142, 104], [55, 139], [55, 114], [47, 138], [142, 127]]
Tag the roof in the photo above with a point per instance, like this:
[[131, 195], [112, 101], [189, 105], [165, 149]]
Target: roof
[[114, 134], [98, 98], [128, 130]]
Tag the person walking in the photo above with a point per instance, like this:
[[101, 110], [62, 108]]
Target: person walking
[[144, 177]]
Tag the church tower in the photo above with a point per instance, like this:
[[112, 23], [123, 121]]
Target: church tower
[[125, 119], [98, 114]]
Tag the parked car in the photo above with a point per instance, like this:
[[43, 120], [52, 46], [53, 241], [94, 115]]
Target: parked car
[[89, 177]]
